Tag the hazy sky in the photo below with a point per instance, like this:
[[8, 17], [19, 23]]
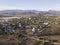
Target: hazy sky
[[30, 4]]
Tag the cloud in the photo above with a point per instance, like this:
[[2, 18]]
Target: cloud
[[14, 8], [54, 7], [9, 8]]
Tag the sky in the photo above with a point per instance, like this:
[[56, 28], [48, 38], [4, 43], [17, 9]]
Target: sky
[[42, 5]]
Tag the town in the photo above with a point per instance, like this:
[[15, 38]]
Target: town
[[36, 30]]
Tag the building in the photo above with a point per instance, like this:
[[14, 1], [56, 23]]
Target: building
[[28, 27], [33, 31]]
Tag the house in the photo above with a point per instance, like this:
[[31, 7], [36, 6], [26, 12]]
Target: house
[[4, 28], [8, 29], [29, 18], [11, 31], [33, 30], [45, 23], [28, 27], [19, 25]]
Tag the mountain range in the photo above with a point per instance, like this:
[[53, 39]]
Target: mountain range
[[15, 12]]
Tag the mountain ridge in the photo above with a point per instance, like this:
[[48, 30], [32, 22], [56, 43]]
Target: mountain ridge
[[14, 12]]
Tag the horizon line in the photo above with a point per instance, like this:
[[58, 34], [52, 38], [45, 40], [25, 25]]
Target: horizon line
[[28, 9]]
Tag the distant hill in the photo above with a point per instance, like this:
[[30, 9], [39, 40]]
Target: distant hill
[[15, 12]]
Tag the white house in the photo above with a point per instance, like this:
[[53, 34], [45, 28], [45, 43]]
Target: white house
[[45, 23], [28, 27], [29, 18], [20, 25], [33, 29]]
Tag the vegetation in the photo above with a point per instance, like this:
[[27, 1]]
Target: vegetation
[[20, 30]]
